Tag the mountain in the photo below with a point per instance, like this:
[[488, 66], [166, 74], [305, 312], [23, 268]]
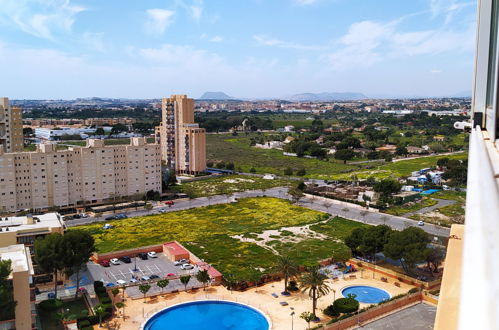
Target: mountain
[[327, 96], [215, 96]]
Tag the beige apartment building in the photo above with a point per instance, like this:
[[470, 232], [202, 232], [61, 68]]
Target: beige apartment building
[[11, 126], [86, 175], [21, 279], [183, 143]]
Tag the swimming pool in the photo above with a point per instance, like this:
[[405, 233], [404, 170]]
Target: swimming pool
[[366, 294], [208, 315]]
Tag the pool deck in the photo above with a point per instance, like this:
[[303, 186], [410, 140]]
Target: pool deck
[[137, 312]]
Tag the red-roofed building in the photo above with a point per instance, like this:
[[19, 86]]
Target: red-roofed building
[[174, 251]]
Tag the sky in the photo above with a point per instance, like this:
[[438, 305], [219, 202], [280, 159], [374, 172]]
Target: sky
[[65, 49]]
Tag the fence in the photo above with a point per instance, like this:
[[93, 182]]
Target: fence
[[372, 313]]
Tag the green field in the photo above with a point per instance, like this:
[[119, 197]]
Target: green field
[[228, 185], [207, 233], [411, 207], [236, 149]]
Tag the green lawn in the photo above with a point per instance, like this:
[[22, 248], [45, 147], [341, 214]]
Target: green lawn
[[236, 149], [50, 320], [406, 208], [228, 185], [207, 233]]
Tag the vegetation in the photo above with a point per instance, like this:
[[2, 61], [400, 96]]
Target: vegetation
[[314, 282], [287, 267], [7, 303], [185, 280], [346, 305], [203, 277], [144, 288]]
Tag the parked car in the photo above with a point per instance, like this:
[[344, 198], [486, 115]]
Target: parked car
[[162, 210], [169, 203], [153, 277], [146, 278], [134, 280], [121, 216], [143, 256], [420, 223], [110, 284], [121, 282], [170, 275], [111, 217], [115, 261], [84, 215], [178, 263], [126, 259], [152, 254], [185, 261], [105, 263], [186, 266]]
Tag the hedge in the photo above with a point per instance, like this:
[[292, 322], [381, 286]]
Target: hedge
[[51, 304], [330, 311], [346, 305]]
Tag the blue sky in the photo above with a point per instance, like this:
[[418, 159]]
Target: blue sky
[[246, 48]]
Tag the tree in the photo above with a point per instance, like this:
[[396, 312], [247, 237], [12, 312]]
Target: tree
[[144, 288], [314, 282], [307, 317], [442, 162], [7, 303], [408, 246], [185, 280], [162, 284], [50, 255], [288, 171], [121, 305], [252, 170], [77, 247], [115, 292], [301, 172], [255, 278], [401, 151], [100, 310], [203, 277], [387, 187], [434, 257], [118, 128], [344, 154], [287, 267], [100, 131], [295, 193]]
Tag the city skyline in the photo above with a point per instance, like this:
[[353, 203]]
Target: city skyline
[[256, 49]]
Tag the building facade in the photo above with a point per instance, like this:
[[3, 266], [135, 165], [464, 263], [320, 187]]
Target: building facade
[[183, 143], [11, 127], [78, 176]]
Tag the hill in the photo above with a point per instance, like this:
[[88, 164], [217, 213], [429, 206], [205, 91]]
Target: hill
[[215, 96]]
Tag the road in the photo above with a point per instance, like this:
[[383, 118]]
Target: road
[[441, 203], [432, 155], [346, 210]]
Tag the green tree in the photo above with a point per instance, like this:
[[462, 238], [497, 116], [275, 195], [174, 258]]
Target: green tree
[[7, 303], [100, 131], [50, 255], [144, 288], [288, 171], [387, 187], [314, 282], [185, 280], [344, 154], [100, 310], [115, 292], [77, 247], [203, 277], [162, 284], [308, 317], [401, 151], [301, 172], [408, 246], [121, 305], [287, 267], [252, 170]]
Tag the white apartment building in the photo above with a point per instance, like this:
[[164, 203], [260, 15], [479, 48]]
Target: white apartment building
[[11, 126], [86, 175]]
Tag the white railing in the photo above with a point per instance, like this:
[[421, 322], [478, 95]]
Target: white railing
[[480, 282]]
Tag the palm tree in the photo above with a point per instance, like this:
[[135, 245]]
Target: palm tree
[[308, 317], [185, 280], [120, 305], [314, 282], [288, 268], [100, 310], [203, 277]]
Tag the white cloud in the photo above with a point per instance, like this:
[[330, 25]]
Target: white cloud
[[181, 56], [158, 20], [447, 8], [94, 41], [217, 39], [40, 18], [196, 12], [271, 42]]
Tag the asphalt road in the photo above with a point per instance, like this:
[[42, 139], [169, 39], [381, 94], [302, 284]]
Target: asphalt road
[[346, 210]]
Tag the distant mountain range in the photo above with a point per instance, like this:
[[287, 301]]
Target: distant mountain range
[[215, 96], [318, 97]]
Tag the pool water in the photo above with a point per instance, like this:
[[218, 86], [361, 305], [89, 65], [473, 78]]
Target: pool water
[[208, 315], [366, 294]]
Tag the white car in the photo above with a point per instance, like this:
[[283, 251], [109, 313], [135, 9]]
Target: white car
[[121, 282], [420, 223], [186, 266], [152, 254], [133, 280], [146, 278], [114, 261]]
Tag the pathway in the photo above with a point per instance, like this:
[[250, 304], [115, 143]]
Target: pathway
[[441, 203]]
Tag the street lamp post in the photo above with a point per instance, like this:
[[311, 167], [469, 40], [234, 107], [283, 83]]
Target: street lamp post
[[292, 314]]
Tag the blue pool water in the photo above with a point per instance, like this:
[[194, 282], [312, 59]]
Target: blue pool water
[[429, 191], [208, 315], [366, 294]]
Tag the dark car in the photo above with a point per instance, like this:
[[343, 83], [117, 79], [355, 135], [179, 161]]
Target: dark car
[[126, 259], [153, 277], [111, 217], [121, 216], [143, 256], [104, 263]]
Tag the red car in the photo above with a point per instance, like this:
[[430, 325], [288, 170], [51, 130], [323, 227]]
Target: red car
[[104, 263], [170, 203]]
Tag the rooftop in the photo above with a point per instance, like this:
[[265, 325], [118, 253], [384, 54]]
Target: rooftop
[[21, 260], [36, 223]]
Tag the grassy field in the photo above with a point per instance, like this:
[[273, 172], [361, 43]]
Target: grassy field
[[406, 208], [228, 185], [207, 233], [398, 169], [236, 149], [446, 215]]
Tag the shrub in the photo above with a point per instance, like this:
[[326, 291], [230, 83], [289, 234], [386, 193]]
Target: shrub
[[330, 311], [51, 304], [346, 305], [98, 284], [87, 328], [100, 291], [84, 324], [413, 290], [105, 300], [93, 319]]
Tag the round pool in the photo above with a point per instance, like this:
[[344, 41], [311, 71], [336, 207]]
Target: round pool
[[208, 315], [366, 294]]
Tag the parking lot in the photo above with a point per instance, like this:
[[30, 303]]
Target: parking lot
[[160, 266]]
